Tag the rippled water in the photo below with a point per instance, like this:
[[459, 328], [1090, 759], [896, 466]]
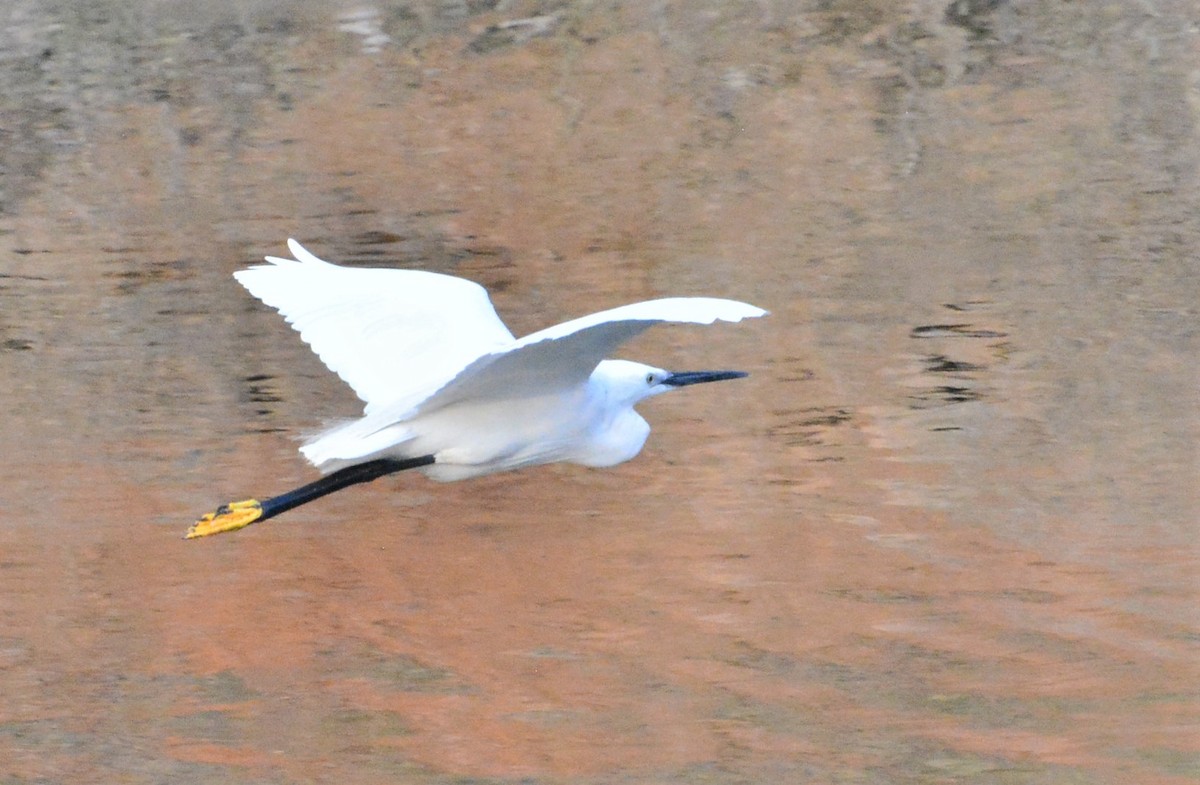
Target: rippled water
[[944, 533]]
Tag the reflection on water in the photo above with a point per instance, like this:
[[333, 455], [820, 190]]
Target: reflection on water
[[943, 533]]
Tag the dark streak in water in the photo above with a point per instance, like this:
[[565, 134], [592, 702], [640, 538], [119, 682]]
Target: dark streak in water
[[939, 363], [943, 395], [954, 331]]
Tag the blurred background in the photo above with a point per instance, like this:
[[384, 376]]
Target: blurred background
[[944, 533]]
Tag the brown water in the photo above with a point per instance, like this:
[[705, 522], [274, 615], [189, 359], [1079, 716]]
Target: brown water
[[945, 533]]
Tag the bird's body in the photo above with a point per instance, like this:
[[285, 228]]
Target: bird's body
[[446, 386], [585, 424]]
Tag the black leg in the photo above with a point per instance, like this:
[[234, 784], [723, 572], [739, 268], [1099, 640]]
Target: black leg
[[343, 478], [236, 515]]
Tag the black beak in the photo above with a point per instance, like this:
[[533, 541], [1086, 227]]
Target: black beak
[[684, 378]]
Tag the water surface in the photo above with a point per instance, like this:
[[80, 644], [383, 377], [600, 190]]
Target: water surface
[[945, 532]]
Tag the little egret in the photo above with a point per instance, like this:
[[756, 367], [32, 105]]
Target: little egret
[[447, 387]]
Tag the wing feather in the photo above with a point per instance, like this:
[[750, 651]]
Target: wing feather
[[394, 336], [565, 355]]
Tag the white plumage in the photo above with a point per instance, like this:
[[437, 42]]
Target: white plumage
[[441, 375]]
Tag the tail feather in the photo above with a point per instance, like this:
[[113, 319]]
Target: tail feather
[[352, 443]]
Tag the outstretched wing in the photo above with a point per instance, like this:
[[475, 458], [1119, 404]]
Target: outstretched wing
[[565, 355], [392, 335]]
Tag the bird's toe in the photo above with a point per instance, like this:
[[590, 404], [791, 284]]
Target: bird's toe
[[226, 518]]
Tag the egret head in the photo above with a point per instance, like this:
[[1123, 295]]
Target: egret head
[[629, 382]]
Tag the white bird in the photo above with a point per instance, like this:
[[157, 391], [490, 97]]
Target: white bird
[[448, 389]]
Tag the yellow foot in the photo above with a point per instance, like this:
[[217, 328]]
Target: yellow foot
[[227, 518]]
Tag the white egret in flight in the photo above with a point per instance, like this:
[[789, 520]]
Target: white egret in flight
[[448, 389]]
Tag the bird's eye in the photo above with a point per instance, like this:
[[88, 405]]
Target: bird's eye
[[650, 379]]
